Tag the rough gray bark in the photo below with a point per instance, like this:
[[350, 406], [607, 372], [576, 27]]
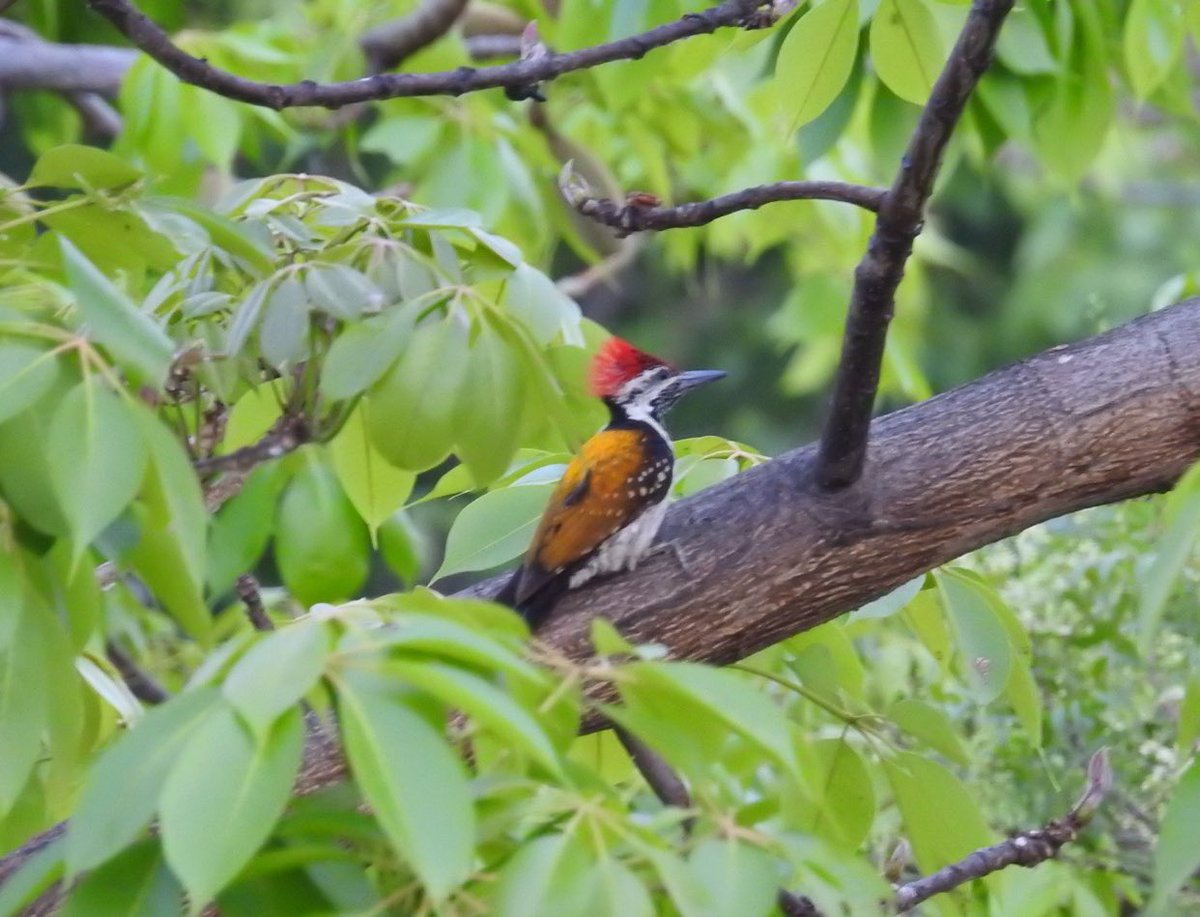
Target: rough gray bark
[[770, 554]]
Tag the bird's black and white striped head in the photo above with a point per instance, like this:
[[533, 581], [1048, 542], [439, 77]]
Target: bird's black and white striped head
[[641, 386]]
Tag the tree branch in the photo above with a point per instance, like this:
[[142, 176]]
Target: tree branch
[[388, 44], [901, 215], [666, 784], [29, 62], [150, 38], [247, 591], [639, 215], [144, 686], [1029, 848], [289, 433]]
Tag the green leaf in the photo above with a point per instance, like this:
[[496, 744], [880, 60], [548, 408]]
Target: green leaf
[[480, 699], [1071, 128], [173, 496], [96, 457], [490, 405], [376, 488], [403, 547], [321, 545], [133, 338], [494, 529], [283, 332], [929, 724], [363, 352], [223, 797], [845, 797], [412, 409], [1189, 719], [981, 637], [277, 672], [711, 694], [413, 781], [122, 790], [75, 166], [541, 306], [231, 237], [816, 58], [1171, 553], [242, 528], [940, 815], [1154, 33], [1022, 47], [41, 870], [888, 605], [23, 690], [549, 876], [27, 372], [341, 291], [1177, 855], [136, 883], [906, 48], [729, 877]]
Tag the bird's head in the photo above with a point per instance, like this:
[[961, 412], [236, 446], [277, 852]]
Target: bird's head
[[639, 385]]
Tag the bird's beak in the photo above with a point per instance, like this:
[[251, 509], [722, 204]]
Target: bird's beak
[[697, 377]]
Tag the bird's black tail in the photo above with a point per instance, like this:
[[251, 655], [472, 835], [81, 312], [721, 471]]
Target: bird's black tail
[[535, 608]]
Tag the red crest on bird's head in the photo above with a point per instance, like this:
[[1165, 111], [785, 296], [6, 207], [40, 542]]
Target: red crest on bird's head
[[616, 363]]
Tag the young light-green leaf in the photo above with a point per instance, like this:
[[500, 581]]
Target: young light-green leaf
[[96, 457], [1177, 855], [494, 529], [412, 779], [223, 797], [27, 372], [135, 884], [906, 48], [981, 637], [277, 672], [816, 58], [133, 338], [74, 165], [122, 790], [375, 487]]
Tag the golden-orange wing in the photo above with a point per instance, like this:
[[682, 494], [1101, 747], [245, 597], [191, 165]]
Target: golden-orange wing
[[593, 501]]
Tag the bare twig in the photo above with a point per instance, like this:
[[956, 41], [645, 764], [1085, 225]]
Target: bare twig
[[639, 213], [489, 47], [388, 44], [289, 433], [666, 784], [901, 212], [794, 905], [150, 38], [247, 591], [99, 117], [1029, 848], [145, 687]]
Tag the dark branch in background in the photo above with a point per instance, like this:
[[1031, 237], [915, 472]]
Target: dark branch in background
[[793, 905], [247, 590], [388, 44], [666, 784], [488, 47], [642, 212], [901, 215], [99, 117], [1029, 848], [154, 41], [289, 433], [29, 62], [142, 684]]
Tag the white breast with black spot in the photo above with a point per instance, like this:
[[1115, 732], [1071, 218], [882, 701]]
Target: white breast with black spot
[[623, 550]]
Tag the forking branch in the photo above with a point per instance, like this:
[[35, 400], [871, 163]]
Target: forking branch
[[152, 39]]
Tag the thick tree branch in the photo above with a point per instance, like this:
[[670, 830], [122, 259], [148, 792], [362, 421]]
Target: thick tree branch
[[150, 38], [1029, 848], [388, 44], [637, 214], [901, 215]]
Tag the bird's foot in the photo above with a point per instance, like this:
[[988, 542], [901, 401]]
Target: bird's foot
[[676, 551]]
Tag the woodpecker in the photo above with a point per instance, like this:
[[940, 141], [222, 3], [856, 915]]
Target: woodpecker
[[610, 502]]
